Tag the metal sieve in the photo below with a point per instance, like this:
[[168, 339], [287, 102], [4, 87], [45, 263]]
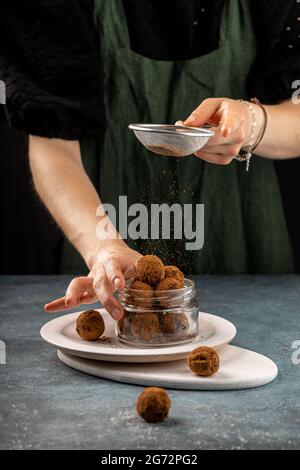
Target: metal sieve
[[171, 140]]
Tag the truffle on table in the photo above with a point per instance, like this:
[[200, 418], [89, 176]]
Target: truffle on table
[[90, 325], [145, 297], [153, 405], [204, 361], [175, 273], [174, 323], [144, 326], [150, 269]]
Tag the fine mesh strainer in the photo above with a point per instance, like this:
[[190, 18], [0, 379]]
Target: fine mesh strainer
[[171, 140]]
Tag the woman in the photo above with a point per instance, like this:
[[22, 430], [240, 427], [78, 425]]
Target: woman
[[245, 225]]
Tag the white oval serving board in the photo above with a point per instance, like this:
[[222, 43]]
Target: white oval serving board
[[240, 369], [60, 333]]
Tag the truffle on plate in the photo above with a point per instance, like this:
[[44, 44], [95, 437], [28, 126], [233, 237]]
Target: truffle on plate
[[204, 361], [150, 269], [153, 405], [90, 325]]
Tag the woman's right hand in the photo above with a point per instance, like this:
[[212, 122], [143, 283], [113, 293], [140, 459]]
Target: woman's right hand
[[112, 264]]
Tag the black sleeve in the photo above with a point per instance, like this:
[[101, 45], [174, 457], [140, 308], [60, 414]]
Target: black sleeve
[[277, 25], [49, 62]]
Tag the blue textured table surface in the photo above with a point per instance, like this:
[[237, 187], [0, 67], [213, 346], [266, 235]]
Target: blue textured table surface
[[46, 405]]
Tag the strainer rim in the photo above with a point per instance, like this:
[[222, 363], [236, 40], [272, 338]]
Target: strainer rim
[[170, 128]]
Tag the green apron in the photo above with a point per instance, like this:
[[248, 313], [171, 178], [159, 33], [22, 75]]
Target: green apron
[[245, 228]]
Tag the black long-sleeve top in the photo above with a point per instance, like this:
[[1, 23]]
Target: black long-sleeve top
[[50, 58]]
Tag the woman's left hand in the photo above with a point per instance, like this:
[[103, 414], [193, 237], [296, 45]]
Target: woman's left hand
[[230, 120]]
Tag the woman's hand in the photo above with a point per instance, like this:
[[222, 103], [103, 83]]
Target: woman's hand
[[232, 123], [112, 265]]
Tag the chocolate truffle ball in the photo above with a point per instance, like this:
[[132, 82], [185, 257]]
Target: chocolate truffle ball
[[166, 300], [144, 326], [175, 324], [204, 361], [175, 273], [150, 269], [90, 325], [153, 405], [144, 298], [168, 283]]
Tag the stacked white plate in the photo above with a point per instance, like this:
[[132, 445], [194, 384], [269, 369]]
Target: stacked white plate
[[109, 358]]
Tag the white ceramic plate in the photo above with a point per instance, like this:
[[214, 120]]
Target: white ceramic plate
[[60, 333], [239, 369]]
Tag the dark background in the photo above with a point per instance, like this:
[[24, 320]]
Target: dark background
[[31, 241]]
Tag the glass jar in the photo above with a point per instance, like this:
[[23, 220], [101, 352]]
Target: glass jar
[[159, 318]]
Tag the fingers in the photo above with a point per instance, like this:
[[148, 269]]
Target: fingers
[[225, 150], [76, 289], [105, 293], [204, 113], [230, 120], [226, 114], [56, 305], [80, 291], [131, 269], [114, 273], [219, 139], [217, 159], [59, 305], [221, 150]]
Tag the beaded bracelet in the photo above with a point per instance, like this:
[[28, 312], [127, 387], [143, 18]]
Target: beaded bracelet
[[247, 154]]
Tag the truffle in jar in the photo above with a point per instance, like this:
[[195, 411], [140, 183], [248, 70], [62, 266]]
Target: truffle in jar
[[166, 300], [143, 298], [175, 273], [168, 283], [144, 326], [150, 269], [175, 324]]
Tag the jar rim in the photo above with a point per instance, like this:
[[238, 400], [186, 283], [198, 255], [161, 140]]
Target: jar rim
[[150, 299], [189, 287]]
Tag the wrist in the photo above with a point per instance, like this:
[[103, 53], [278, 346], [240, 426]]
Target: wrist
[[255, 125]]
